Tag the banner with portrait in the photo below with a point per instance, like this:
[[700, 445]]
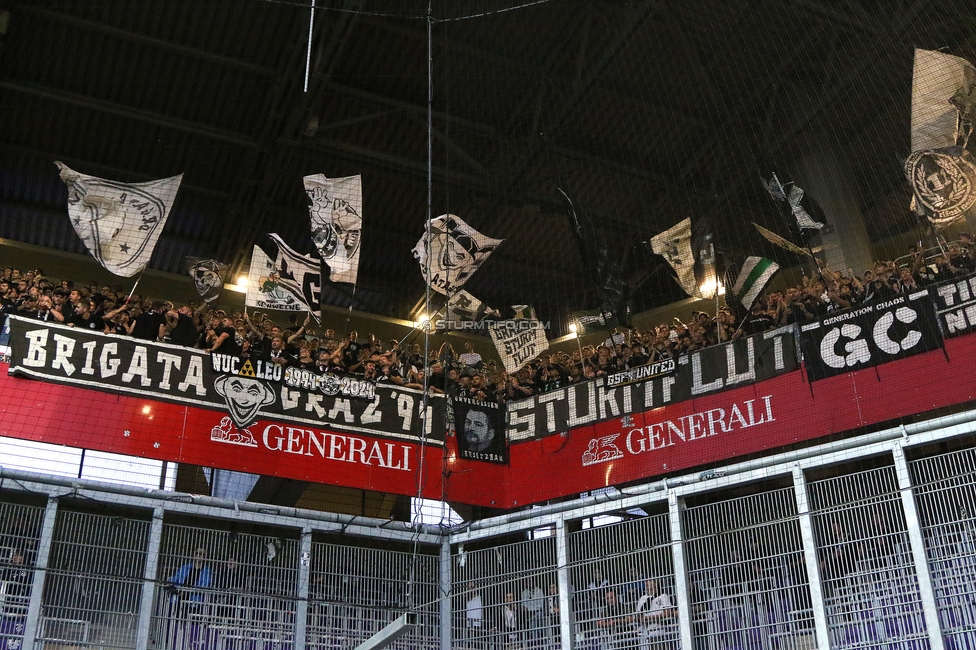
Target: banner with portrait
[[480, 428]]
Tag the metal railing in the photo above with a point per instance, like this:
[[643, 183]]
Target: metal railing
[[842, 546]]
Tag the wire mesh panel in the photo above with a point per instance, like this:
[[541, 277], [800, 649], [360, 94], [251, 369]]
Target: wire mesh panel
[[623, 579], [94, 581], [20, 532], [221, 589], [747, 581], [945, 494], [355, 592], [871, 593], [506, 596]]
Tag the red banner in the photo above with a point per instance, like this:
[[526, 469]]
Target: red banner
[[120, 424], [719, 427]]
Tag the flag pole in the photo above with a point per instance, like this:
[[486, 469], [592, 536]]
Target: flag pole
[[133, 288]]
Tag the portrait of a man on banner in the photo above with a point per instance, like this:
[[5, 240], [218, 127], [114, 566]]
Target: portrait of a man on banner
[[480, 430]]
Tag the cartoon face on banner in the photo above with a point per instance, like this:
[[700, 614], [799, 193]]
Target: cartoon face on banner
[[454, 251], [480, 430], [244, 397], [207, 279], [336, 223], [336, 229]]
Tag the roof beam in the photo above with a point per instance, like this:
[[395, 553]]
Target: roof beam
[[141, 115], [157, 43], [107, 171], [834, 16]]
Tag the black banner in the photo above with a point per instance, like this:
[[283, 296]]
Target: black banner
[[245, 389], [955, 305], [642, 373], [480, 430], [714, 369], [869, 335]]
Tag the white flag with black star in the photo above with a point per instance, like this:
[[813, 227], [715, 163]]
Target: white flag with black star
[[119, 223]]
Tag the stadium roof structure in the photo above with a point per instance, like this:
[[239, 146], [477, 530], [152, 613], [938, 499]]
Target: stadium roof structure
[[646, 112]]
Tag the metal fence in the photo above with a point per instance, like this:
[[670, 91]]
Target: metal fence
[[871, 590], [945, 490], [355, 592], [869, 546], [504, 595], [20, 533], [622, 576], [224, 589], [747, 583], [93, 585]]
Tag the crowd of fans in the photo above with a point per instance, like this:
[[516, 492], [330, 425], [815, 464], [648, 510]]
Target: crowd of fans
[[256, 336]]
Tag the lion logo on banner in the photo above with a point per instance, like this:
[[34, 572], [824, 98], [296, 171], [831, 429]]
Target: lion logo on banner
[[601, 450], [227, 432]]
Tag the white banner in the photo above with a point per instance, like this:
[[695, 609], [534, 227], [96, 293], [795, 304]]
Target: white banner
[[289, 282], [335, 213], [119, 223], [454, 252], [519, 341], [936, 79]]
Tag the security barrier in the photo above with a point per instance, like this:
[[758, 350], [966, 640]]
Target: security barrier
[[864, 543]]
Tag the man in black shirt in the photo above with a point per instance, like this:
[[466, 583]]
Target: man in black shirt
[[350, 355], [150, 324], [44, 311], [226, 342], [84, 318], [180, 329], [757, 320]]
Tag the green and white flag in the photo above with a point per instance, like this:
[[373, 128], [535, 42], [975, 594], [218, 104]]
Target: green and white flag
[[755, 275]]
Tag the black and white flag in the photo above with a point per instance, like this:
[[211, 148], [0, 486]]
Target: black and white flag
[[603, 262], [691, 253], [453, 252], [336, 215], [943, 100], [943, 184], [464, 306], [782, 242], [594, 320], [941, 171], [208, 277], [119, 223], [280, 278], [804, 210]]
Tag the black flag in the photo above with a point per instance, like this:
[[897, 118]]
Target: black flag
[[606, 269], [802, 213]]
